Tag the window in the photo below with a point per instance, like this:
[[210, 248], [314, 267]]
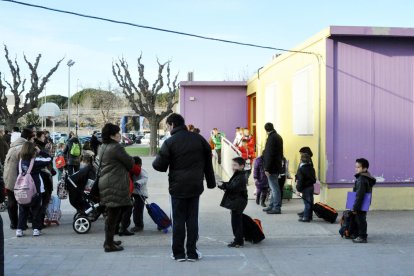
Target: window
[[302, 102]]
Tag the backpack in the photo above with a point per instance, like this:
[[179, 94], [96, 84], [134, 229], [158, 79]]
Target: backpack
[[60, 162], [349, 227], [25, 188], [75, 150]]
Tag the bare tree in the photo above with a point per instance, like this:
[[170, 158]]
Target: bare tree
[[106, 101], [143, 98], [17, 89]]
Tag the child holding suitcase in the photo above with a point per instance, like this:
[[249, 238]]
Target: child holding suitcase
[[363, 184], [305, 178], [140, 192], [235, 199]]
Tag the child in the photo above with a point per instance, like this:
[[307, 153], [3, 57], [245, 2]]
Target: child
[[260, 179], [140, 190], [60, 158], [248, 155], [363, 184], [305, 178], [27, 155], [235, 199]]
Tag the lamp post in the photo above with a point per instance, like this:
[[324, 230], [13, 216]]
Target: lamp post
[[70, 64]]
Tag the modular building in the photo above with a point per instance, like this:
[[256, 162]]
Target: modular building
[[347, 92]]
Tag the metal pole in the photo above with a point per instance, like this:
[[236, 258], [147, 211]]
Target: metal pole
[[68, 98]]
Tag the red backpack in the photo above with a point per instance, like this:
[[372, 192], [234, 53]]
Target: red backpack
[[25, 188], [60, 162]]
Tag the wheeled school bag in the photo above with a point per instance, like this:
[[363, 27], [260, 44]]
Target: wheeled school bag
[[325, 212], [252, 229], [53, 212], [160, 218], [349, 227]]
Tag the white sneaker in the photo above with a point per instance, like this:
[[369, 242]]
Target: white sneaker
[[180, 260], [36, 232], [199, 257], [19, 233]]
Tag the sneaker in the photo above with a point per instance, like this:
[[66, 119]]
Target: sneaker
[[180, 260], [235, 245], [360, 240], [267, 209], [199, 257], [304, 220], [19, 233], [36, 232], [274, 212]]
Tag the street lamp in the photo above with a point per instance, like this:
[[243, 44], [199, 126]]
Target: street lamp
[[70, 64]]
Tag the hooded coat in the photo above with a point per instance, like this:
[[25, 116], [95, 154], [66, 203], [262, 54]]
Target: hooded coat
[[114, 180], [70, 159], [273, 155], [259, 175], [363, 184], [11, 163], [235, 195]]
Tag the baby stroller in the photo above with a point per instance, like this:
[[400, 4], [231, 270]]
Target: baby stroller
[[87, 206]]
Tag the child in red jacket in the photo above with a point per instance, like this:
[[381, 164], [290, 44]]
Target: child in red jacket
[[248, 155]]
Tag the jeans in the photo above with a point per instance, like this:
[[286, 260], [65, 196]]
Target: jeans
[[138, 212], [185, 217], [237, 226], [282, 181], [361, 220], [276, 200], [13, 209], [35, 208], [59, 173], [307, 195]]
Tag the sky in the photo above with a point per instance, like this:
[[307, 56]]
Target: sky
[[94, 45]]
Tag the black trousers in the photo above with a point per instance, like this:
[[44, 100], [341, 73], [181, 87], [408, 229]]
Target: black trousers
[[361, 220], [1, 247], [35, 210], [237, 225], [12, 209], [46, 196], [124, 220], [111, 223], [218, 155], [185, 217], [138, 211]]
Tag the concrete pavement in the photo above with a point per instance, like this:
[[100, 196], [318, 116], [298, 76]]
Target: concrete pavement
[[290, 247]]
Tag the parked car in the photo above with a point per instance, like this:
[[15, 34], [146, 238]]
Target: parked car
[[126, 141], [146, 139], [84, 139]]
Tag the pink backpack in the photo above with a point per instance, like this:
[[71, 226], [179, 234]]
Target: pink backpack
[[25, 188]]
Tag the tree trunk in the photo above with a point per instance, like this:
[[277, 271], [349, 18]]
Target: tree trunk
[[11, 122], [154, 123]]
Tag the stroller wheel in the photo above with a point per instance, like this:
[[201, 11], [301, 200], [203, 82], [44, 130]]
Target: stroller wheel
[[82, 225]]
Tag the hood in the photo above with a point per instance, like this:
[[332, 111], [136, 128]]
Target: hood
[[177, 129], [20, 141], [372, 180]]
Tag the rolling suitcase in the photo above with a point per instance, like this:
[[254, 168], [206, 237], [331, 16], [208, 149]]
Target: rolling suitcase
[[160, 218], [53, 212], [325, 212], [252, 229]]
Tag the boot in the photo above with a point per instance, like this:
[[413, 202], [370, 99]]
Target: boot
[[263, 200], [258, 199]]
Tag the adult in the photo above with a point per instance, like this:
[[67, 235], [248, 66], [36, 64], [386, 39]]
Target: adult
[[2, 197], [273, 157], [10, 174], [4, 147], [95, 143], [73, 153], [115, 165], [188, 157], [216, 137], [15, 134], [7, 137]]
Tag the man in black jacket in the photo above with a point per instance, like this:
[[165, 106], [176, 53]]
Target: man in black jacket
[[188, 157], [273, 157]]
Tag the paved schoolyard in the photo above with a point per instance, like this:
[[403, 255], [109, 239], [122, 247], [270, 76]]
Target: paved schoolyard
[[290, 247]]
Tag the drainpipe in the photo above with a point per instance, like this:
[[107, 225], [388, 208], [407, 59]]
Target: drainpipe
[[318, 57]]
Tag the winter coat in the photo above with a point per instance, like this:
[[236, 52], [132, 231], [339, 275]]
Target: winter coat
[[2, 192], [259, 175], [70, 159], [363, 184], [41, 161], [83, 176], [114, 180], [4, 148], [305, 176], [188, 157], [235, 195], [248, 155], [14, 136], [95, 143], [11, 163], [273, 153], [140, 183]]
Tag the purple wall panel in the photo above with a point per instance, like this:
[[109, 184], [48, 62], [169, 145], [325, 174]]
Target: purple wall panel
[[221, 106], [373, 107]]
